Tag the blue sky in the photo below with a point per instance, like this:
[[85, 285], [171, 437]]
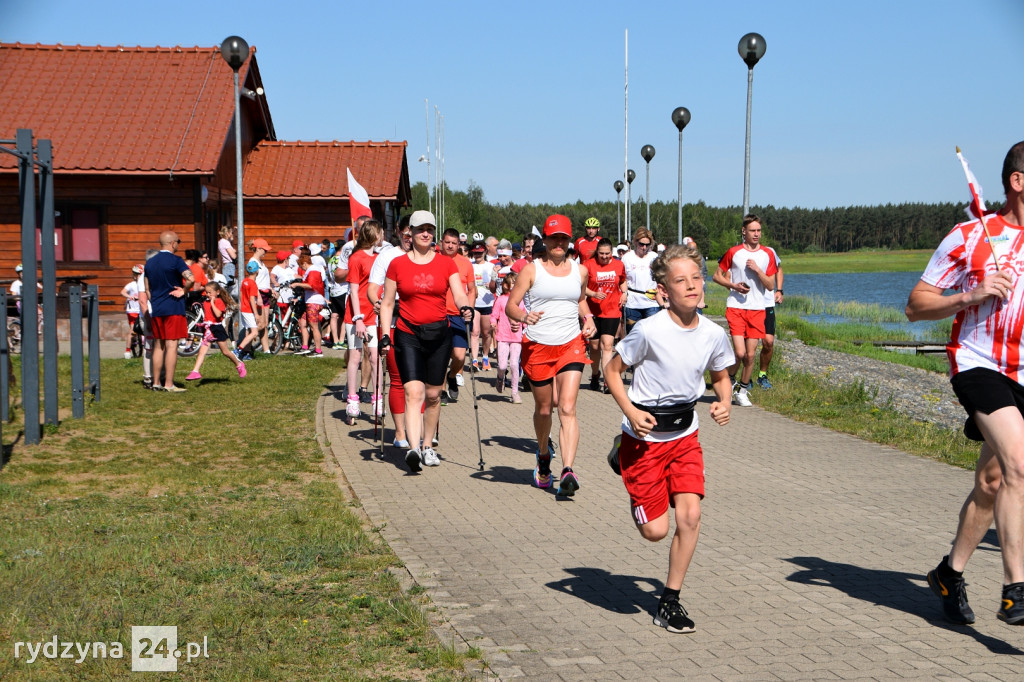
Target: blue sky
[[854, 102]]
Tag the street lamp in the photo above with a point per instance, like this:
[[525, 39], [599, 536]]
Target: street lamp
[[630, 177], [647, 151], [235, 51], [618, 211], [680, 117], [751, 49]]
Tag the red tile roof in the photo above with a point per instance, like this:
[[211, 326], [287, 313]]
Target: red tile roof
[[120, 109], [279, 170]]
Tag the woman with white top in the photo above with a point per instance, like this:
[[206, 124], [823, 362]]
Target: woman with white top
[[483, 273], [227, 251], [642, 300], [554, 349]]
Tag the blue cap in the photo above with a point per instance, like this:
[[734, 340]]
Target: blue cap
[[252, 267]]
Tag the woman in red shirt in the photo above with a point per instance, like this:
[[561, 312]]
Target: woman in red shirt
[[423, 344], [606, 294]]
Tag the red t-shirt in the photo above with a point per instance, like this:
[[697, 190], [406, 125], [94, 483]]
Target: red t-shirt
[[421, 289], [248, 289], [359, 264], [199, 274], [208, 310], [586, 247], [607, 279], [465, 268]]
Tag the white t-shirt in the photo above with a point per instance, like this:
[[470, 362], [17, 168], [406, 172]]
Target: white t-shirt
[[735, 262], [342, 263], [284, 275], [222, 248], [769, 294], [16, 286], [483, 273], [379, 269], [638, 278], [131, 305], [262, 276], [669, 362]]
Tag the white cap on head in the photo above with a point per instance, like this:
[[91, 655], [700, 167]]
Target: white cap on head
[[422, 218], [315, 248]]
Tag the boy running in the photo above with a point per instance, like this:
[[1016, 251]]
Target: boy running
[[660, 458]]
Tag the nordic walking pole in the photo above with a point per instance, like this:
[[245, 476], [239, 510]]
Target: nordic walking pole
[[383, 359], [376, 386], [476, 406]]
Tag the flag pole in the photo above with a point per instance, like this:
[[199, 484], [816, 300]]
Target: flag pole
[[981, 210]]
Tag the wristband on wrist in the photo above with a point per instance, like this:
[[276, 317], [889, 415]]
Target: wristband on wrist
[[588, 315], [356, 318], [779, 290]]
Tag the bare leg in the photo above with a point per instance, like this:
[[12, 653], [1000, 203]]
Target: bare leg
[[748, 360], [568, 427], [543, 397], [684, 542], [1004, 433], [170, 361], [767, 351], [978, 511]]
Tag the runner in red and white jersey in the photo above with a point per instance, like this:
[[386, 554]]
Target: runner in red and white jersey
[[747, 270], [985, 368], [606, 294]]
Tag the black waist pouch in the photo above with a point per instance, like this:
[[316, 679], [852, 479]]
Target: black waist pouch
[[670, 417], [431, 332]]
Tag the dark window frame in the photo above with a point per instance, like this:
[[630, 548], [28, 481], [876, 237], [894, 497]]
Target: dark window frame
[[63, 227]]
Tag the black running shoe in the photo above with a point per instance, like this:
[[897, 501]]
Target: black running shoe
[[613, 455], [568, 484], [953, 593], [1012, 609], [595, 384], [453, 390], [672, 616], [364, 395], [412, 459]]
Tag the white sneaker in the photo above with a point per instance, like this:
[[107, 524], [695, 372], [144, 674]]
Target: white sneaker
[[352, 408], [430, 457], [459, 380], [741, 398], [127, 355]]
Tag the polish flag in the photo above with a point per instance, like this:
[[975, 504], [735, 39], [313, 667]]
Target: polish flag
[[977, 208], [358, 199]]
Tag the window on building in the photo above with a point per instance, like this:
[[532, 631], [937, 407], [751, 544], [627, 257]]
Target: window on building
[[80, 236]]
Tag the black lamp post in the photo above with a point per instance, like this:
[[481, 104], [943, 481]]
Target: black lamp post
[[647, 151], [630, 177], [751, 49], [618, 209], [235, 51], [680, 117]]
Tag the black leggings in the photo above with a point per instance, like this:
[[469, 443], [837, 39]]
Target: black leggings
[[422, 361]]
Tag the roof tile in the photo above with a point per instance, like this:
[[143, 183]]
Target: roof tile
[[278, 170]]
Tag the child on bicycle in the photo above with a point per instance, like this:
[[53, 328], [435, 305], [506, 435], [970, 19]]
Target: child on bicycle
[[216, 306], [131, 307]]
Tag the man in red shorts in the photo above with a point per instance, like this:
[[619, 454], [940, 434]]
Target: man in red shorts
[[167, 280], [747, 270]]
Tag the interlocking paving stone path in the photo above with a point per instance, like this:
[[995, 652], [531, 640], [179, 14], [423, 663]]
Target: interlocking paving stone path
[[810, 563]]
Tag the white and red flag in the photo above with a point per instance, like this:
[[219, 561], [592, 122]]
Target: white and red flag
[[358, 199], [977, 208]]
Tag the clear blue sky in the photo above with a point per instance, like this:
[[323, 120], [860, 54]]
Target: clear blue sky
[[854, 102]]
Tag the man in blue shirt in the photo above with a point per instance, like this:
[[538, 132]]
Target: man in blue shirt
[[167, 280]]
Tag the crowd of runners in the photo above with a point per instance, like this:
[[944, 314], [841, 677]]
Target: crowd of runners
[[424, 311]]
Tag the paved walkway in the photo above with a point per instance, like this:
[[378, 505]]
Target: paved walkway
[[810, 564]]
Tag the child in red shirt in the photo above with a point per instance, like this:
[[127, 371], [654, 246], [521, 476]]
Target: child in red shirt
[[218, 302]]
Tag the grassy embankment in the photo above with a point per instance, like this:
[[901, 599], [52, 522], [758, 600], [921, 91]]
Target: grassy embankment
[[213, 511], [850, 409]]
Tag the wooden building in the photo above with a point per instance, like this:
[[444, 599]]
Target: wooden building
[[143, 141]]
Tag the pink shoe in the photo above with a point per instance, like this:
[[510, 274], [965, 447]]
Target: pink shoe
[[242, 371], [193, 375]]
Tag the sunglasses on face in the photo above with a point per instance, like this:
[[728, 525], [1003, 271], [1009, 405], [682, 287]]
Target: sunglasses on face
[[644, 244]]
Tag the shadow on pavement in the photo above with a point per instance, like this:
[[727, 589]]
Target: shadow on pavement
[[617, 593], [906, 592], [511, 443]]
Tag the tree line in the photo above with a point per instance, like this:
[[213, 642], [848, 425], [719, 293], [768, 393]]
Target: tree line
[[715, 229]]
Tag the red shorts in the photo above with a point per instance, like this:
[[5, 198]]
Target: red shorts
[[131, 318], [746, 323], [655, 472], [170, 327], [541, 362]]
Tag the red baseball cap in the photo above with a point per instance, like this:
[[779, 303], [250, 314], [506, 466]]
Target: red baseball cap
[[557, 224], [261, 244], [283, 255], [297, 243]]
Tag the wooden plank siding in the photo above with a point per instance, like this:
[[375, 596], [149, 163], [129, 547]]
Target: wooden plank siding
[[137, 210]]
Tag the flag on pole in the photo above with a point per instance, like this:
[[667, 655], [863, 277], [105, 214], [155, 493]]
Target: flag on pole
[[358, 199], [537, 232], [977, 207]]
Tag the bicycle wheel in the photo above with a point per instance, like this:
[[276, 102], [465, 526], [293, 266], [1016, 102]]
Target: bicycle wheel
[[136, 346], [189, 345], [14, 336], [276, 336]]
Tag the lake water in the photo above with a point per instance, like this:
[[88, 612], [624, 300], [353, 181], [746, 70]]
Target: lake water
[[889, 289]]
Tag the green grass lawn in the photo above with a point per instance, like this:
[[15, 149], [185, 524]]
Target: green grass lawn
[[215, 511], [856, 261]]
